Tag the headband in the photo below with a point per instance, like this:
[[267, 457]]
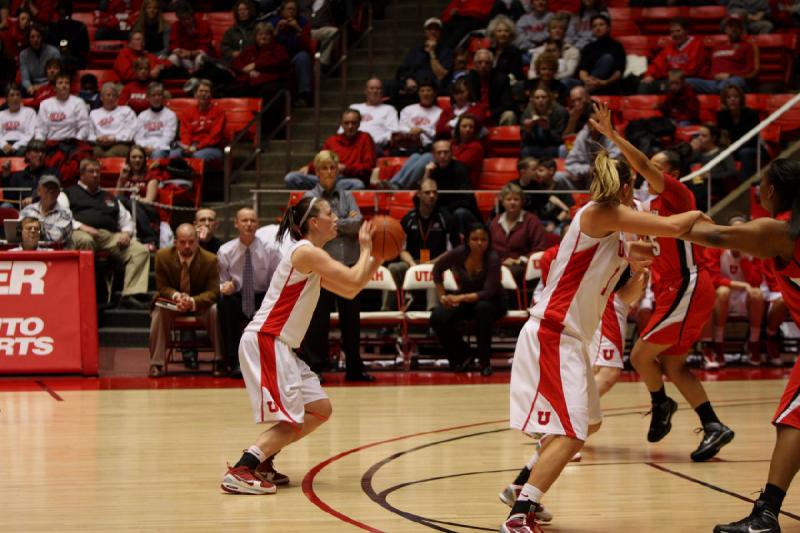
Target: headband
[[308, 210]]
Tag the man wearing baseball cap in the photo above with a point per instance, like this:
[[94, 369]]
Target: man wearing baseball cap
[[429, 61], [56, 220], [733, 62]]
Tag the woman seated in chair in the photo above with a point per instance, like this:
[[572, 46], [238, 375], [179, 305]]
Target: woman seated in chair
[[135, 175], [476, 268], [543, 123], [516, 233], [462, 101]]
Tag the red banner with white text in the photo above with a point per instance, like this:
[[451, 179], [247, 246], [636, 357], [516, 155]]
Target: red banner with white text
[[48, 313]]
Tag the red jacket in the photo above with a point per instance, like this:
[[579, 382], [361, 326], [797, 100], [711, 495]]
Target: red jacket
[[736, 59], [199, 39], [471, 154], [134, 95], [123, 65], [478, 109], [272, 64], [46, 13], [752, 268], [691, 58], [682, 106], [523, 239], [118, 15], [477, 9], [202, 128], [356, 154], [43, 93]]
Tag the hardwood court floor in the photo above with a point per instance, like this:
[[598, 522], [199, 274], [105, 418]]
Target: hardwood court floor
[[392, 459]]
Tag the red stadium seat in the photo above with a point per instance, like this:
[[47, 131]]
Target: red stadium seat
[[709, 105], [238, 113], [371, 203], [188, 197], [110, 168], [87, 18], [777, 53], [640, 45], [624, 20], [487, 201], [180, 105], [497, 172], [503, 141], [787, 126], [704, 20], [685, 133], [400, 203], [102, 54], [655, 20], [389, 166]]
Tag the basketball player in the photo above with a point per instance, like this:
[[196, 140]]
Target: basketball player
[[778, 240], [284, 392], [684, 298], [552, 389]]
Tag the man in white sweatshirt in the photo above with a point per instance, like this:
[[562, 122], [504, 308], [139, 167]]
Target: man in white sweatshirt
[[156, 127], [377, 119], [62, 118], [17, 123], [112, 126], [417, 126]]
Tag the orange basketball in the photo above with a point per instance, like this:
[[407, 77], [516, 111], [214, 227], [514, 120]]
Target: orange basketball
[[387, 241]]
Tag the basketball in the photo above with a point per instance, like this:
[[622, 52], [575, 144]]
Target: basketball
[[387, 241]]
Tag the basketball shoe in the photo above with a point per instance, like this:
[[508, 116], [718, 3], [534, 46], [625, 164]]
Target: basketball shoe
[[509, 497], [761, 520], [715, 436], [241, 480], [774, 351], [520, 523], [661, 419], [266, 472], [711, 358], [754, 351]]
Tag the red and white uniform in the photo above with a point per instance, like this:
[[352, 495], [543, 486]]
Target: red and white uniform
[[18, 127], [552, 386], [119, 123], [787, 277], [683, 287], [278, 382], [61, 120], [726, 266], [156, 129]]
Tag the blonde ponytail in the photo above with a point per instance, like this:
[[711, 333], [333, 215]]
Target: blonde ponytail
[[608, 177]]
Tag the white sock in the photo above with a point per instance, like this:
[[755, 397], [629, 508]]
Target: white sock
[[719, 333], [256, 451], [755, 334], [530, 493], [533, 460]]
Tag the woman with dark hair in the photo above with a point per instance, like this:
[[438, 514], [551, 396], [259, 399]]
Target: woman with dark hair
[[467, 148], [462, 100], [502, 33], [778, 241], [284, 393], [155, 29], [242, 34], [476, 268], [543, 123], [33, 59], [736, 119], [579, 33], [134, 175]]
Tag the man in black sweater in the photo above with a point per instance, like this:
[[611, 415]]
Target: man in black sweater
[[451, 175], [102, 223]]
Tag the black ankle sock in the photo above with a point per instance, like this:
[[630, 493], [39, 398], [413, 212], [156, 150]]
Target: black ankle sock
[[658, 396], [521, 507], [523, 476], [706, 414], [249, 460], [773, 498]]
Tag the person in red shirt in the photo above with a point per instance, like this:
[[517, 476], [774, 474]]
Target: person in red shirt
[[467, 148], [777, 240], [134, 93], [124, 64], [732, 63], [460, 17], [263, 68], [684, 52], [189, 39], [52, 69], [356, 151], [681, 105], [114, 21], [201, 126]]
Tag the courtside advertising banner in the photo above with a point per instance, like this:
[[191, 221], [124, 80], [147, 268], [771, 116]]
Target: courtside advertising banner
[[48, 314]]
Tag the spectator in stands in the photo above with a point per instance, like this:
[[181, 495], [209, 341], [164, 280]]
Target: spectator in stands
[[345, 249], [202, 126], [754, 13], [114, 18], [30, 233], [430, 231], [460, 69], [732, 63], [467, 147], [580, 158], [56, 220], [543, 124], [89, 91], [102, 223], [479, 298], [705, 147], [134, 93], [431, 61], [379, 120], [262, 69], [579, 110], [189, 39], [568, 56], [17, 37], [324, 30], [681, 104], [516, 233], [462, 101], [124, 64], [205, 222], [46, 90], [603, 60], [507, 57], [552, 209], [246, 265], [355, 156], [492, 88], [417, 126], [683, 52], [155, 29], [545, 69], [33, 59], [581, 31], [738, 278], [188, 277], [461, 17], [27, 178], [112, 126], [532, 26], [735, 118], [42, 11], [156, 126], [17, 123], [451, 175], [71, 37], [243, 32], [142, 185], [294, 33]]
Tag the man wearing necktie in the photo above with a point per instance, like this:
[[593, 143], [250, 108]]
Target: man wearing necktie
[[246, 265]]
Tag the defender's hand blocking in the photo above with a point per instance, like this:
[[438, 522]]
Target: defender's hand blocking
[[640, 254]]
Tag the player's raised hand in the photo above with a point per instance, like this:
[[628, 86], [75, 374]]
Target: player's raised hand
[[602, 118], [365, 235]]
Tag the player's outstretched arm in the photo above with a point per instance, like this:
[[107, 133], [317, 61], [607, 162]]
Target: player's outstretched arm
[[604, 219], [763, 237]]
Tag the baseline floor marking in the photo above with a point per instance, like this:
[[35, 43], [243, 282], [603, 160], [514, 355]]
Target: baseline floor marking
[[49, 391]]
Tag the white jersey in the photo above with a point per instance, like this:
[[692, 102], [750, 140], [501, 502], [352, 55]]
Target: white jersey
[[60, 120], [119, 123], [730, 267], [581, 278], [18, 127], [156, 130], [289, 303]]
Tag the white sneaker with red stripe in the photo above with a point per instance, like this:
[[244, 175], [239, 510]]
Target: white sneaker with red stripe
[[242, 480], [510, 495]]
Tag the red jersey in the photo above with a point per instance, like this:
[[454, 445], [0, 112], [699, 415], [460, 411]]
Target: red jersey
[[787, 276], [134, 95], [202, 128], [725, 267], [691, 58], [736, 59], [675, 259]]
